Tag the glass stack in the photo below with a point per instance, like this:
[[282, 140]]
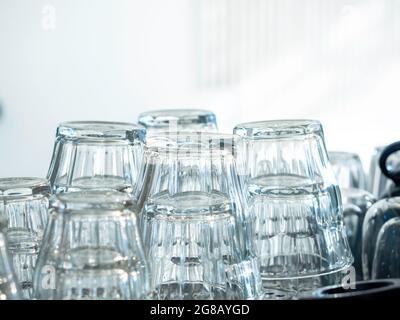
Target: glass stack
[[297, 206], [24, 204], [172, 209], [194, 223]]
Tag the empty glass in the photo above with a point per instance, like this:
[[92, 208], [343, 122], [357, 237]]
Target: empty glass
[[178, 120], [348, 170], [379, 184], [388, 163], [195, 224], [92, 154], [356, 203], [9, 290], [24, 204], [299, 229], [91, 249]]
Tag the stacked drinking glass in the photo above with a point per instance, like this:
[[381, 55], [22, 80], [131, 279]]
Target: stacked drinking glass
[[172, 209]]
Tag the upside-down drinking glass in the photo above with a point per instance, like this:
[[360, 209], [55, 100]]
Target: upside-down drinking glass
[[96, 155], [299, 229], [356, 203], [91, 249], [379, 184], [178, 120], [24, 204], [9, 289], [348, 170], [195, 224]]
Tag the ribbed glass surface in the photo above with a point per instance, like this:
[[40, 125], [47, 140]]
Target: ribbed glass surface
[[92, 249], [96, 155], [296, 204], [24, 203], [194, 221]]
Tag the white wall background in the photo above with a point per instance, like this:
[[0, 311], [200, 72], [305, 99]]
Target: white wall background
[[337, 61]]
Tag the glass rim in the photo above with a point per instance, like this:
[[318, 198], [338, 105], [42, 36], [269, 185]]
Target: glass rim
[[87, 201], [101, 130], [357, 196], [192, 143], [163, 117], [275, 129], [343, 155], [19, 187]]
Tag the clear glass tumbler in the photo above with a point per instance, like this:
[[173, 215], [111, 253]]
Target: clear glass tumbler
[[96, 155], [178, 120], [9, 289], [356, 203], [348, 170], [24, 204], [195, 224], [378, 184], [91, 249], [297, 206]]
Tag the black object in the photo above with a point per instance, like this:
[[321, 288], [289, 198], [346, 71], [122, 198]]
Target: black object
[[371, 289], [392, 175]]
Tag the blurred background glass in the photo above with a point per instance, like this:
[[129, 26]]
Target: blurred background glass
[[336, 61], [175, 120], [348, 170]]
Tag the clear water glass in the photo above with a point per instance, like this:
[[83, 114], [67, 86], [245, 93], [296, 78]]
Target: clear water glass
[[24, 204], [348, 170], [178, 120], [296, 202], [92, 249], [378, 184], [9, 288], [194, 220], [356, 203], [96, 155]]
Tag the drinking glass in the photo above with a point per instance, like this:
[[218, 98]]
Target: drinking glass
[[377, 216], [195, 224], [379, 184], [92, 249], [96, 155], [178, 120], [24, 204], [9, 289], [356, 203], [348, 170], [297, 206]]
